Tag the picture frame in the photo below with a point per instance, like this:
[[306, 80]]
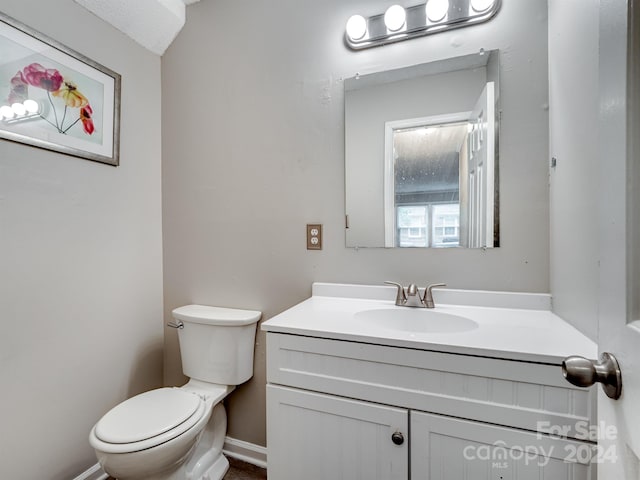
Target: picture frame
[[55, 98]]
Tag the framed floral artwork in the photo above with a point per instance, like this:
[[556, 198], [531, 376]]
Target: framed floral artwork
[[55, 98]]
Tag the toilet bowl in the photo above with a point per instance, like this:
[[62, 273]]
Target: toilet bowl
[[178, 433]]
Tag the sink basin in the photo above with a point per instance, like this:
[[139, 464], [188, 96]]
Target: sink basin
[[415, 320]]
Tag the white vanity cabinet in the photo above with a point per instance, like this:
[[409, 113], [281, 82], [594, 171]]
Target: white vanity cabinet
[[350, 410], [445, 448], [314, 436]]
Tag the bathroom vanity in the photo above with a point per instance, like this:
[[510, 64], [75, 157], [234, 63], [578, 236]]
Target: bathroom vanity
[[359, 388]]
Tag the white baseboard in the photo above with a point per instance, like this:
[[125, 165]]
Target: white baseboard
[[245, 451], [93, 473]]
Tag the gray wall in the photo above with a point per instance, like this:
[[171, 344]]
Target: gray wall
[[81, 263], [253, 149], [573, 122]]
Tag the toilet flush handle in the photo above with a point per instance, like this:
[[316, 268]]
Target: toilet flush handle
[[178, 325]]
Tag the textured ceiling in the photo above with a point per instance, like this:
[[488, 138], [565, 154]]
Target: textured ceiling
[[154, 24]]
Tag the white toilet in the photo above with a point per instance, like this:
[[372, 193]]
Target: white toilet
[[178, 433]]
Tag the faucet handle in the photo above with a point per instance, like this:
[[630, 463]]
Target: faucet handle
[[428, 294], [401, 297]]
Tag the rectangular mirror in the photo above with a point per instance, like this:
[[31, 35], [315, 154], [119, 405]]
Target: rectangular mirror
[[421, 155]]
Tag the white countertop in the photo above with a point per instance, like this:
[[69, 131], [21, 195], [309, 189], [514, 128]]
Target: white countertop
[[511, 326]]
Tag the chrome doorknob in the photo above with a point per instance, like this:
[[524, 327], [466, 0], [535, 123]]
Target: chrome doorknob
[[583, 372]]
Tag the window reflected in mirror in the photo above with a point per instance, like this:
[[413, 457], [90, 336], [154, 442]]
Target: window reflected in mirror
[[426, 168], [437, 191]]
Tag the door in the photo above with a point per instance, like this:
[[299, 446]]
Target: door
[[480, 170], [445, 448], [619, 220], [314, 436]]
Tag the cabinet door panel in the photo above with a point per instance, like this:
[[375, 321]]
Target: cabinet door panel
[[444, 448], [319, 437]]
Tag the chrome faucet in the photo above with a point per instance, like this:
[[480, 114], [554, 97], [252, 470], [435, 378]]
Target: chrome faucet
[[410, 297], [428, 295]]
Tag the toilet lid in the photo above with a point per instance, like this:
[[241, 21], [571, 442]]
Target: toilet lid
[[148, 415]]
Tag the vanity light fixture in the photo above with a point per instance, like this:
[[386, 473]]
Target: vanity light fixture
[[31, 106], [395, 18], [437, 10], [481, 5], [18, 112], [6, 112], [356, 27], [402, 23], [19, 109]]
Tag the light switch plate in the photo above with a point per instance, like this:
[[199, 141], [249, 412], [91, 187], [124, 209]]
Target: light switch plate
[[314, 236]]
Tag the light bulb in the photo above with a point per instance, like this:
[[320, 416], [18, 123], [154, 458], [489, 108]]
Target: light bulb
[[6, 112], [31, 106], [437, 10], [356, 27], [394, 18], [481, 5], [18, 108]]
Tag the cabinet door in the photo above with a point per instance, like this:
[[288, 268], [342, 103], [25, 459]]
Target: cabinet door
[[445, 448], [312, 436]]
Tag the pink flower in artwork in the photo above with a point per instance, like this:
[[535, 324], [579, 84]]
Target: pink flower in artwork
[[19, 89], [87, 122], [46, 78]]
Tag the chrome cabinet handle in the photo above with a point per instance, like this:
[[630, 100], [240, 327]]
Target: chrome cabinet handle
[[178, 325], [583, 372]]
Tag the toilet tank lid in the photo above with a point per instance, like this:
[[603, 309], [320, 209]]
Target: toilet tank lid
[[216, 315]]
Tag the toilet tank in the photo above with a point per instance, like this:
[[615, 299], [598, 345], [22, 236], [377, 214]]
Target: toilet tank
[[216, 343]]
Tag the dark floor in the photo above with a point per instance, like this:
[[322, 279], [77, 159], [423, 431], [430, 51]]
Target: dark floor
[[244, 471], [240, 471]]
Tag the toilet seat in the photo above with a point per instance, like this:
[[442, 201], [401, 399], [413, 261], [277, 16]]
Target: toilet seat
[[147, 420]]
